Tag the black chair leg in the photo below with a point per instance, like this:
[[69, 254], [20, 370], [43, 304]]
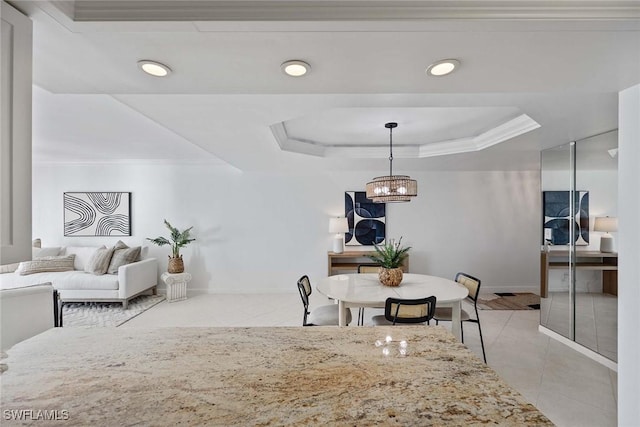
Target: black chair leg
[[461, 332], [56, 318], [361, 316], [60, 312], [484, 355]]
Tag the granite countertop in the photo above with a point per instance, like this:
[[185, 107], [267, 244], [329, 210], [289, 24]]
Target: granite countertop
[[256, 376]]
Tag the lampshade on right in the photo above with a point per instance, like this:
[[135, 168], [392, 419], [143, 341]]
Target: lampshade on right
[[607, 224]]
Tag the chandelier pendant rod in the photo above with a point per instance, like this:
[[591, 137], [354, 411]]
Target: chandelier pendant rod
[[390, 151]]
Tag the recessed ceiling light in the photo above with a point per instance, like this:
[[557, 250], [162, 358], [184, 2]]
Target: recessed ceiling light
[[154, 68], [442, 67], [295, 68]]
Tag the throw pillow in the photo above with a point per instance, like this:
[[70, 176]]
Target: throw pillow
[[9, 268], [83, 254], [99, 261], [123, 255], [51, 263]]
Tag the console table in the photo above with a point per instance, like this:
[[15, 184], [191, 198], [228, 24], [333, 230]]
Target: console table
[[348, 262], [607, 262]]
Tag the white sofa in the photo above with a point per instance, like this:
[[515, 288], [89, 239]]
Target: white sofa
[[77, 285]]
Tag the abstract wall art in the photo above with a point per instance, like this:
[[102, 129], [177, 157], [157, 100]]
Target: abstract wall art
[[97, 214], [557, 217], [366, 220]]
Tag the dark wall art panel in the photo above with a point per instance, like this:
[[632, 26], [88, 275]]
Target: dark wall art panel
[[558, 217], [366, 220], [97, 214]]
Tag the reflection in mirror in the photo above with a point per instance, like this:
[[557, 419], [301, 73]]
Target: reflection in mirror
[[579, 282], [596, 285], [556, 181]]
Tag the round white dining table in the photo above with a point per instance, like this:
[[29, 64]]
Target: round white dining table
[[365, 290]]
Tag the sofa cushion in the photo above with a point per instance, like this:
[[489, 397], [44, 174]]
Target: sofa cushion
[[123, 255], [61, 280], [99, 261], [83, 254], [45, 264]]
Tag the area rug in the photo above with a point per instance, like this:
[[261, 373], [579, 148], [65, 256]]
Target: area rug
[[105, 314], [510, 301]]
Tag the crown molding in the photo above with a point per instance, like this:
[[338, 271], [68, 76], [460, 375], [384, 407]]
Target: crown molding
[[503, 132], [354, 10]]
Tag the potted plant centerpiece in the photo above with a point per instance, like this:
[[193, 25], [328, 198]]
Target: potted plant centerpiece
[[390, 257], [179, 239]]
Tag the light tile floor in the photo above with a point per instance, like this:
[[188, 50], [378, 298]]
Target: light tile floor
[[568, 387]]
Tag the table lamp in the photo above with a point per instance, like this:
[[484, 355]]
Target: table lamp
[[606, 224], [339, 226]]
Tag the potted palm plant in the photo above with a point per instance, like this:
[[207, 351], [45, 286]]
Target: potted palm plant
[[178, 239], [390, 257]]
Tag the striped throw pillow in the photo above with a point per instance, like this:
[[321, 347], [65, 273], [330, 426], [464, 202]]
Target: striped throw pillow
[[99, 261], [123, 255], [44, 264]]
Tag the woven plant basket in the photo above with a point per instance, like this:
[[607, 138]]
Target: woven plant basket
[[390, 276], [176, 265]]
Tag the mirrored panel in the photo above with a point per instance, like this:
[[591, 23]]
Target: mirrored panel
[[596, 274], [557, 231], [578, 271]]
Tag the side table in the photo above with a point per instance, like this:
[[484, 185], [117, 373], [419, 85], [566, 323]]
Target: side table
[[176, 285]]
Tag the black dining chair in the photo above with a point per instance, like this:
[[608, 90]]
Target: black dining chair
[[325, 315], [444, 313], [397, 310]]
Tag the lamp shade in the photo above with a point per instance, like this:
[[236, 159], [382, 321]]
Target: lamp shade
[[606, 223], [338, 225]]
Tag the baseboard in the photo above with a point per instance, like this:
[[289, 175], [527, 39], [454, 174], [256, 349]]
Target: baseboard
[[205, 291], [200, 291], [580, 349]]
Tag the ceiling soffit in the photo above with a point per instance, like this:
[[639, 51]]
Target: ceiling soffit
[[474, 140]]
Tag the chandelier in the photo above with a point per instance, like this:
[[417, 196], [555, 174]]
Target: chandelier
[[392, 188]]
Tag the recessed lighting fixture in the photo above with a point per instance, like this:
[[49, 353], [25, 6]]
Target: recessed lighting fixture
[[442, 67], [295, 68], [154, 68]]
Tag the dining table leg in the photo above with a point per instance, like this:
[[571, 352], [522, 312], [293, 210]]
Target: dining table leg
[[342, 313], [455, 321]]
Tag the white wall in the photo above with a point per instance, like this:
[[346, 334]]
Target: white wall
[[258, 232], [629, 259]]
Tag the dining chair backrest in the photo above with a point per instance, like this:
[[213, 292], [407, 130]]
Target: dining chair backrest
[[304, 287], [368, 268], [471, 283], [421, 310]]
